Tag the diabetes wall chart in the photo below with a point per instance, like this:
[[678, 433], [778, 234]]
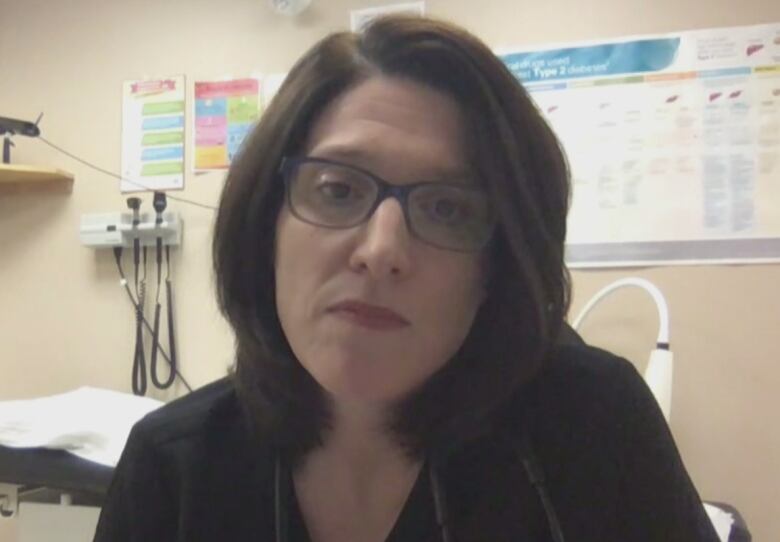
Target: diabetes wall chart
[[673, 143]]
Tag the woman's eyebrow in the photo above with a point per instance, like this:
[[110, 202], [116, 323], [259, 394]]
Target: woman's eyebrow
[[460, 173], [342, 153]]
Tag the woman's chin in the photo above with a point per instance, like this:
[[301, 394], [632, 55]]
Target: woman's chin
[[352, 381]]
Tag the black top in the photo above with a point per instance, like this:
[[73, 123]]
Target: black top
[[189, 471]]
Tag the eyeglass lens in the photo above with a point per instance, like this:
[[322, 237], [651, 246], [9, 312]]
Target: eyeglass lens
[[340, 196]]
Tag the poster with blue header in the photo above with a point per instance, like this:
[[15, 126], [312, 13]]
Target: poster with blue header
[[673, 143]]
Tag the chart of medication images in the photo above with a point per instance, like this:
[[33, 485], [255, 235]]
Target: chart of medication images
[[153, 134], [225, 112], [673, 143]]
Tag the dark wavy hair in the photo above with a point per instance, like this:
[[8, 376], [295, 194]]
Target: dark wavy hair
[[520, 164]]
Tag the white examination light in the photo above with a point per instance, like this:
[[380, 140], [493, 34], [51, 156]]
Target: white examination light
[[658, 373]]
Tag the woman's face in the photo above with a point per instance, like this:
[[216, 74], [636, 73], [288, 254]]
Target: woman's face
[[371, 311]]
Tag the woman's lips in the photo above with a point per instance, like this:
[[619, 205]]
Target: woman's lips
[[367, 315]]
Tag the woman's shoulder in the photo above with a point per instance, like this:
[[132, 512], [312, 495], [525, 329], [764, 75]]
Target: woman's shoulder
[[585, 390], [192, 470], [193, 415], [584, 359], [583, 371], [200, 441], [205, 430]]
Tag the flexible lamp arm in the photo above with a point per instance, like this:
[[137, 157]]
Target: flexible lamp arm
[[649, 287], [660, 366]]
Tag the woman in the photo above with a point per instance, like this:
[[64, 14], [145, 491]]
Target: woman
[[389, 252]]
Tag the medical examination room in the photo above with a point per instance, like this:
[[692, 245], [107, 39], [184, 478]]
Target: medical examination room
[[556, 316]]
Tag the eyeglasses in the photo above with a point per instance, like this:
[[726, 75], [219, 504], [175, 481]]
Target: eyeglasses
[[330, 194]]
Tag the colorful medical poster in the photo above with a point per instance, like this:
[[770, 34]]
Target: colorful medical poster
[[673, 143], [225, 112], [153, 134]]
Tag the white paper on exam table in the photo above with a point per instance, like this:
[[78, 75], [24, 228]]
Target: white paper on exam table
[[721, 520], [88, 422]]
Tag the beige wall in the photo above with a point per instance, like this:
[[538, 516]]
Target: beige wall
[[65, 322]]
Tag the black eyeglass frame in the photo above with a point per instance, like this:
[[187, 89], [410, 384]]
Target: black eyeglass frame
[[385, 189]]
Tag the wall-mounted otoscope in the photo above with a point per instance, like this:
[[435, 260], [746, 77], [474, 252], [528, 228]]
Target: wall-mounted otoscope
[[139, 355], [140, 230], [160, 203]]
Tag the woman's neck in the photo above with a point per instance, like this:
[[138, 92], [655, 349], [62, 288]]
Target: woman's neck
[[356, 483]]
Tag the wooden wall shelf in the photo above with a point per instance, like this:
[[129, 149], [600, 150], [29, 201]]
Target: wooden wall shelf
[[19, 178]]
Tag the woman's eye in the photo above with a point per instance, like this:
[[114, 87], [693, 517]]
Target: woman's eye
[[447, 210], [335, 190]]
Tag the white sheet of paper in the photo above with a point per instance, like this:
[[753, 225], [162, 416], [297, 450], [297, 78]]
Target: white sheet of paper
[[721, 520], [91, 423]]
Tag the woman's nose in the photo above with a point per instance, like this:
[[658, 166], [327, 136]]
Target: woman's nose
[[384, 243]]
